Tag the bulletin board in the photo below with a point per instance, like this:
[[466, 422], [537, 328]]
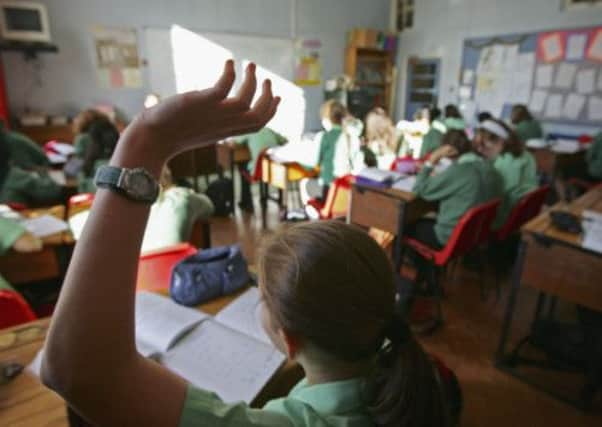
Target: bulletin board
[[557, 74]]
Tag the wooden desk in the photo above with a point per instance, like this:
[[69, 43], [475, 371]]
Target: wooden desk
[[193, 163], [554, 263], [25, 401], [21, 268], [279, 175], [388, 210], [553, 164], [230, 154]]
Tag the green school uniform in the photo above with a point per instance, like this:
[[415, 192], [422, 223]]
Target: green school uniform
[[326, 158], [455, 123], [29, 188], [259, 141], [172, 217], [432, 139], [336, 404], [81, 143], [519, 176], [459, 188], [594, 158], [24, 152], [10, 231], [529, 129], [85, 184]]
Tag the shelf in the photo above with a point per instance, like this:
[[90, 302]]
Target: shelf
[[29, 49]]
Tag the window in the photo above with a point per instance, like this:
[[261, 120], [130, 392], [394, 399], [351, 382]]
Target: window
[[574, 4], [402, 14]]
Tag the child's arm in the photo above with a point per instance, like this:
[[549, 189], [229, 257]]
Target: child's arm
[[90, 357]]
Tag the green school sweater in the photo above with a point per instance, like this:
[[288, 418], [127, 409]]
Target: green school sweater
[[327, 152], [10, 231], [25, 153], [455, 123], [81, 143], [459, 188], [30, 188], [432, 139], [529, 129], [259, 141], [594, 157]]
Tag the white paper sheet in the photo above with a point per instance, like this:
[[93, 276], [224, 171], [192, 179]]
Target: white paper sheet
[[566, 146], [544, 75], [575, 46], [594, 108], [565, 75], [56, 159], [538, 101], [45, 225], [58, 177], [554, 106], [468, 77], [406, 184], [592, 235], [586, 80], [573, 106], [465, 92], [244, 315], [521, 78]]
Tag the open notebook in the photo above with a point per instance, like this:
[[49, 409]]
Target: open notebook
[[229, 354]]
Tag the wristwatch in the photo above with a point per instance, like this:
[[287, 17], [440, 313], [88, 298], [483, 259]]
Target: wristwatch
[[135, 184]]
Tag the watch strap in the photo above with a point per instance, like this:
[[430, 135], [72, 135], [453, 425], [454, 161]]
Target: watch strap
[[108, 177]]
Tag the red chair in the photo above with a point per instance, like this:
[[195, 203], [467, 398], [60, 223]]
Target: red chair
[[14, 310], [337, 200], [154, 267], [526, 209], [472, 230]]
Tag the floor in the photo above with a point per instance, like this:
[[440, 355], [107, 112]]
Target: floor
[[466, 343]]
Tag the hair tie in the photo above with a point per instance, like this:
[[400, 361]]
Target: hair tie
[[494, 128], [398, 330]]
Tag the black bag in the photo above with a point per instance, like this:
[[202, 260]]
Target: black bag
[[208, 274], [221, 194]]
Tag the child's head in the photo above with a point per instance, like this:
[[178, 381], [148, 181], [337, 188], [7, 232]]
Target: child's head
[[83, 120], [434, 114], [332, 114], [519, 114], [104, 136], [484, 115], [329, 303], [494, 137], [457, 139], [380, 127], [452, 112]]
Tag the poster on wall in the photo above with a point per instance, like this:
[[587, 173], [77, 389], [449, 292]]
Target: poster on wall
[[117, 57], [308, 64]]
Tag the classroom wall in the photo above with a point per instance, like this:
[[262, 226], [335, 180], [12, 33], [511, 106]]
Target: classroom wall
[[66, 82], [440, 27]]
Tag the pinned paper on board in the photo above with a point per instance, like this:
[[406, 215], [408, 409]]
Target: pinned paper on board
[[520, 78], [575, 47], [117, 57], [586, 80], [538, 101], [594, 108], [465, 92], [544, 75], [565, 75], [594, 50], [468, 77], [551, 47], [554, 106], [573, 106]]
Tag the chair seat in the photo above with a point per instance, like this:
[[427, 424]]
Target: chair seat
[[425, 251]]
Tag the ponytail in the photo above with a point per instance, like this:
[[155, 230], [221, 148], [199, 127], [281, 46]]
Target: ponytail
[[405, 390]]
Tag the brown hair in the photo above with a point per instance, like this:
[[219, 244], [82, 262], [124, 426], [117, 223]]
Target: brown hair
[[334, 111], [520, 113], [512, 144], [83, 120], [104, 136], [457, 139], [451, 111], [331, 284]]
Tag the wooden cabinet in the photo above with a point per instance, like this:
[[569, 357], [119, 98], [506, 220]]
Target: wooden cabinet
[[372, 71]]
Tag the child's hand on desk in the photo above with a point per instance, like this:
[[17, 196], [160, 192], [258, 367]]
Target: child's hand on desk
[[184, 121], [441, 152], [28, 243]]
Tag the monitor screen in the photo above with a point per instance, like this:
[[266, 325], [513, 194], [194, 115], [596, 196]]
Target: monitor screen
[[22, 19]]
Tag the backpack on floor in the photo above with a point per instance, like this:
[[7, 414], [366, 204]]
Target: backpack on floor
[[221, 194]]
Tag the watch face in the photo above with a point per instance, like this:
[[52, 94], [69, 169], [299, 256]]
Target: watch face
[[141, 185]]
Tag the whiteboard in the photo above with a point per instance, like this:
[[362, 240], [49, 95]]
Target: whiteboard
[[180, 59]]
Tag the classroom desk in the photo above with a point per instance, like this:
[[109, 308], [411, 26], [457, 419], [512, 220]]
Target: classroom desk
[[193, 163], [20, 268], [554, 263], [25, 401], [279, 175], [387, 209], [229, 155]]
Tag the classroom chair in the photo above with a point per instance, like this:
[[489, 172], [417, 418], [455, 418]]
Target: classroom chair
[[154, 267], [337, 200], [526, 209], [472, 230], [14, 310]]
